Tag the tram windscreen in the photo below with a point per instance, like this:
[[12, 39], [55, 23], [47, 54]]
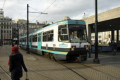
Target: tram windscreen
[[77, 33]]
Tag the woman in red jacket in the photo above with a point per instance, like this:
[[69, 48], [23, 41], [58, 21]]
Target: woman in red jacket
[[16, 63]]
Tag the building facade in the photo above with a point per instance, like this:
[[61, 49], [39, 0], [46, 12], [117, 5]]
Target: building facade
[[22, 26], [5, 29], [108, 24], [104, 38]]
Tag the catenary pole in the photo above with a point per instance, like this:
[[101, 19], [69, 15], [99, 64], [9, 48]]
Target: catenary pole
[[28, 29], [96, 59]]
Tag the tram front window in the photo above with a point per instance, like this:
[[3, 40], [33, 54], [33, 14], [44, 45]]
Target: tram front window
[[63, 33], [77, 33]]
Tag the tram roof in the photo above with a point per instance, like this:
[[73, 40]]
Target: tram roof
[[60, 23], [65, 22]]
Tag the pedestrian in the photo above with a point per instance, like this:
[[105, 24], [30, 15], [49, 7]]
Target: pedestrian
[[114, 47], [88, 48], [89, 51], [16, 63]]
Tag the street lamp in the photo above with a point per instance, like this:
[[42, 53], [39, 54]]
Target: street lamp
[[96, 59]]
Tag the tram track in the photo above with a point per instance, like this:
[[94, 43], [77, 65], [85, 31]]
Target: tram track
[[84, 78], [100, 71], [5, 72], [31, 70], [52, 59], [89, 67]]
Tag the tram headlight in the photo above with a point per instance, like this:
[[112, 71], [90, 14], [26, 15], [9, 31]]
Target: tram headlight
[[86, 47], [73, 48]]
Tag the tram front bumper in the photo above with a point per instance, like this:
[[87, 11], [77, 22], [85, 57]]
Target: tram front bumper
[[77, 52]]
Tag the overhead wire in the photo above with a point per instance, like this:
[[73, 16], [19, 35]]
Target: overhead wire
[[49, 6], [44, 10], [25, 12]]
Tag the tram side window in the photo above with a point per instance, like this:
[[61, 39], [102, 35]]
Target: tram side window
[[34, 38], [63, 33], [45, 36], [48, 36]]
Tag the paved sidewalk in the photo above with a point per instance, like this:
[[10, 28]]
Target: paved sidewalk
[[42, 68]]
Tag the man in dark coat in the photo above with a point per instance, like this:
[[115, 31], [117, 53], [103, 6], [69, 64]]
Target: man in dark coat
[[16, 63]]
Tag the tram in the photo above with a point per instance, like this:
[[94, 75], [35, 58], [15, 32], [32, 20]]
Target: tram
[[63, 40]]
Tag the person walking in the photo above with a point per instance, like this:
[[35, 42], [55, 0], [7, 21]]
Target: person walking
[[89, 51], [114, 47], [16, 63]]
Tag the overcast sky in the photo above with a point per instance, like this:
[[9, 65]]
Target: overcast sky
[[16, 9]]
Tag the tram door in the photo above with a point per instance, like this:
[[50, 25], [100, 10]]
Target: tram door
[[39, 41]]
